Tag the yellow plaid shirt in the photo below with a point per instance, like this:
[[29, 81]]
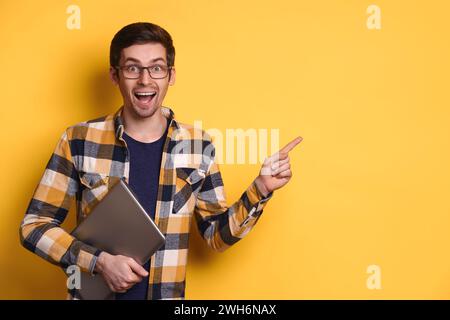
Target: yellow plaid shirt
[[89, 159]]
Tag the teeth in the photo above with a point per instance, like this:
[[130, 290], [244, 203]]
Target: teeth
[[145, 93]]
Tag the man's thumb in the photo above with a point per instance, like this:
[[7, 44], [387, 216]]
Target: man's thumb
[[138, 269]]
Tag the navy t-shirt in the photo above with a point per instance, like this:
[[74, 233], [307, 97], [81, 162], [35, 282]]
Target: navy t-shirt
[[145, 163]]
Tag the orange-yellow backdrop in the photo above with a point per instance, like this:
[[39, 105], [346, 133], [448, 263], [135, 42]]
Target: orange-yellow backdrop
[[371, 178]]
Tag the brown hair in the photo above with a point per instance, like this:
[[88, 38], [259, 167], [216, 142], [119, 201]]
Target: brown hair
[[139, 33]]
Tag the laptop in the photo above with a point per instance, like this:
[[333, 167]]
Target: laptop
[[119, 225]]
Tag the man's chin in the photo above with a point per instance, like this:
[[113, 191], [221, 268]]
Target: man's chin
[[144, 112]]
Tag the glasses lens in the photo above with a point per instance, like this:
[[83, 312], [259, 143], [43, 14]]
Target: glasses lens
[[131, 71], [158, 71]]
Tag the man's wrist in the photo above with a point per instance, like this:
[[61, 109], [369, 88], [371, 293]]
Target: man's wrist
[[261, 187], [100, 263]]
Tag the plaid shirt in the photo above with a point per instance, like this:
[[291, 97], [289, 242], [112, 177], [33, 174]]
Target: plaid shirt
[[92, 156]]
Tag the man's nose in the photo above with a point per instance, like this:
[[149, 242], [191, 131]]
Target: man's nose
[[144, 77]]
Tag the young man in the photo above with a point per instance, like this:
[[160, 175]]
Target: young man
[[140, 143]]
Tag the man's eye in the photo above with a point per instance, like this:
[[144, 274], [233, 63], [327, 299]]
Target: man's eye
[[156, 68], [134, 69]]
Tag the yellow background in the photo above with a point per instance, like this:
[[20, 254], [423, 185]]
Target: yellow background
[[371, 179]]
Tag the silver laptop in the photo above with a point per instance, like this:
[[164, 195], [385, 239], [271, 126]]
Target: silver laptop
[[118, 224]]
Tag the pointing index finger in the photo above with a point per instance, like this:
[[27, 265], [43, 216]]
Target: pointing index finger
[[291, 145]]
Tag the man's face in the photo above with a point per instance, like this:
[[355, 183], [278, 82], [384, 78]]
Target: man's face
[[138, 93]]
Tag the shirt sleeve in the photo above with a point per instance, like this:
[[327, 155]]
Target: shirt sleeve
[[40, 230], [220, 225]]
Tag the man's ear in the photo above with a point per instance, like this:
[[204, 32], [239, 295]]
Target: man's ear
[[172, 76], [114, 76]]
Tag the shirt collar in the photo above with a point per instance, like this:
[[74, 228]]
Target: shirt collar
[[119, 125]]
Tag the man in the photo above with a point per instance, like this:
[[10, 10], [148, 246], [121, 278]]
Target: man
[[140, 143]]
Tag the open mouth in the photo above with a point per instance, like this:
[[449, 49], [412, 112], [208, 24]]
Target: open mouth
[[145, 97]]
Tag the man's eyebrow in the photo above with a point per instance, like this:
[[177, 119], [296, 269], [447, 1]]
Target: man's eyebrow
[[132, 59], [137, 60], [159, 59]]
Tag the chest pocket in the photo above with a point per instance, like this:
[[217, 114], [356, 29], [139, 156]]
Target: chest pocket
[[188, 182], [95, 187], [93, 180]]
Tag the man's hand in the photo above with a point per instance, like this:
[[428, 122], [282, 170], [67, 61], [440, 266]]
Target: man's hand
[[119, 272], [276, 170]]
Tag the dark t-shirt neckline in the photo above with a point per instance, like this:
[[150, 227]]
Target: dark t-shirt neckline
[[147, 143]]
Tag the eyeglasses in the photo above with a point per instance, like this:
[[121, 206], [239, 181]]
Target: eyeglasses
[[134, 71]]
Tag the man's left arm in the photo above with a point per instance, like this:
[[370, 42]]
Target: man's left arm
[[222, 226]]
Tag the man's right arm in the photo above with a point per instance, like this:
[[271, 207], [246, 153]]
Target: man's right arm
[[40, 231]]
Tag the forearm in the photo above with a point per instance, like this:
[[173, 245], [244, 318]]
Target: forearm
[[44, 237], [223, 226]]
